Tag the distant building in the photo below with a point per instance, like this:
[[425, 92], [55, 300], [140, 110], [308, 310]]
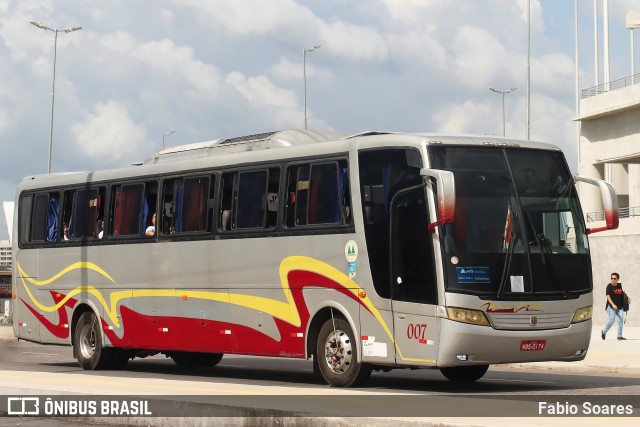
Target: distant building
[[5, 253]]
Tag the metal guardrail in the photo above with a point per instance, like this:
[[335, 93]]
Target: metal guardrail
[[624, 213], [609, 86]]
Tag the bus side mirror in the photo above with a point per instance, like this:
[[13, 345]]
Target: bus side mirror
[[609, 202], [446, 191]]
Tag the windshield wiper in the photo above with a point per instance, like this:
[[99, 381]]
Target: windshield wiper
[[554, 267], [507, 263], [545, 247], [535, 236]]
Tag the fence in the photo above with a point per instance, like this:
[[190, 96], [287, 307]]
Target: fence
[[627, 212], [609, 86]]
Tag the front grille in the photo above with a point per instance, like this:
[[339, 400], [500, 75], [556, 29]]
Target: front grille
[[523, 321]]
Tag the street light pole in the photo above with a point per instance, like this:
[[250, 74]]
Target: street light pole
[[304, 74], [53, 90], [632, 21], [528, 69], [171, 132], [502, 92]]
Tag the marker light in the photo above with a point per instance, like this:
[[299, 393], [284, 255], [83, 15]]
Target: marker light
[[465, 315], [582, 314]]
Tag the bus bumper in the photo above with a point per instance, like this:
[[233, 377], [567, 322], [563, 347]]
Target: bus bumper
[[463, 344]]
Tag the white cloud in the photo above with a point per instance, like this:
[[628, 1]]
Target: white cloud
[[260, 91], [109, 133], [245, 17], [355, 42], [287, 70], [420, 46], [479, 57], [468, 117], [172, 60]]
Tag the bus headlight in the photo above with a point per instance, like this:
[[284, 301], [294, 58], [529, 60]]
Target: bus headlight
[[465, 315], [582, 314]]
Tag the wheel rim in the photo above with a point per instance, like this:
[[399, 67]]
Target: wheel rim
[[338, 351], [87, 341]]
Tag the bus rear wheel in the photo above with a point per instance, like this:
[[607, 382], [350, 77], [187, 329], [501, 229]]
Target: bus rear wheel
[[195, 360], [337, 354], [89, 349], [465, 374]]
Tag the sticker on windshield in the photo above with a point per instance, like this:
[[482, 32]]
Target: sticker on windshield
[[517, 284], [473, 274]]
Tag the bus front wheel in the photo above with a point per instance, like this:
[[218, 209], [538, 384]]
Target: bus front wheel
[[464, 374], [89, 349], [337, 353]]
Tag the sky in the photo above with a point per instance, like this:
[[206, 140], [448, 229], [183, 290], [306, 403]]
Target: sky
[[213, 69]]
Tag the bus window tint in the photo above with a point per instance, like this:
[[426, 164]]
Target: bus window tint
[[84, 214], [25, 218], [324, 195], [251, 202], [272, 197], [317, 194], [302, 195], [191, 214], [39, 218], [226, 198], [129, 214], [43, 224]]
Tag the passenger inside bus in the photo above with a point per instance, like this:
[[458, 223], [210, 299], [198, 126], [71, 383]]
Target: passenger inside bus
[[151, 230], [100, 228]]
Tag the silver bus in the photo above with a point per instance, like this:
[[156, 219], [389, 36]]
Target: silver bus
[[366, 252]]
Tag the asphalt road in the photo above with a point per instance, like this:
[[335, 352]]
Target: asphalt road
[[290, 386]]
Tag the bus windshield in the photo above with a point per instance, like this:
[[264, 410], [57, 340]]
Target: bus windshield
[[518, 228]]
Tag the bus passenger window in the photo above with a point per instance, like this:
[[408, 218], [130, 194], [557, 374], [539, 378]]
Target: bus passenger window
[[167, 206], [324, 194], [185, 205], [25, 217], [39, 218], [318, 194], [302, 195], [226, 198], [128, 210], [84, 214], [272, 197], [251, 200], [191, 214], [149, 215], [44, 221], [290, 203]]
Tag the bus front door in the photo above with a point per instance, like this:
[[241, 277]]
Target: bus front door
[[413, 287]]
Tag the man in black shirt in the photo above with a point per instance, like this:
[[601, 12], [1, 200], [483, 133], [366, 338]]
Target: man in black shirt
[[614, 306]]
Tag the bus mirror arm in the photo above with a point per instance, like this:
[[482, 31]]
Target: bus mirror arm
[[446, 193], [609, 202]]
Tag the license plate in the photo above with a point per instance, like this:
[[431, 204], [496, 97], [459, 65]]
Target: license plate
[[533, 345]]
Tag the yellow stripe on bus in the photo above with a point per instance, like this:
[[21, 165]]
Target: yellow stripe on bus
[[285, 311]]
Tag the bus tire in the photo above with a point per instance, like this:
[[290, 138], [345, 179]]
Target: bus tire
[[196, 360], [464, 374], [337, 352], [88, 345]]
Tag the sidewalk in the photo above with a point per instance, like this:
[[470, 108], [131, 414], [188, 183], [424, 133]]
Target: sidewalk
[[608, 356]]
